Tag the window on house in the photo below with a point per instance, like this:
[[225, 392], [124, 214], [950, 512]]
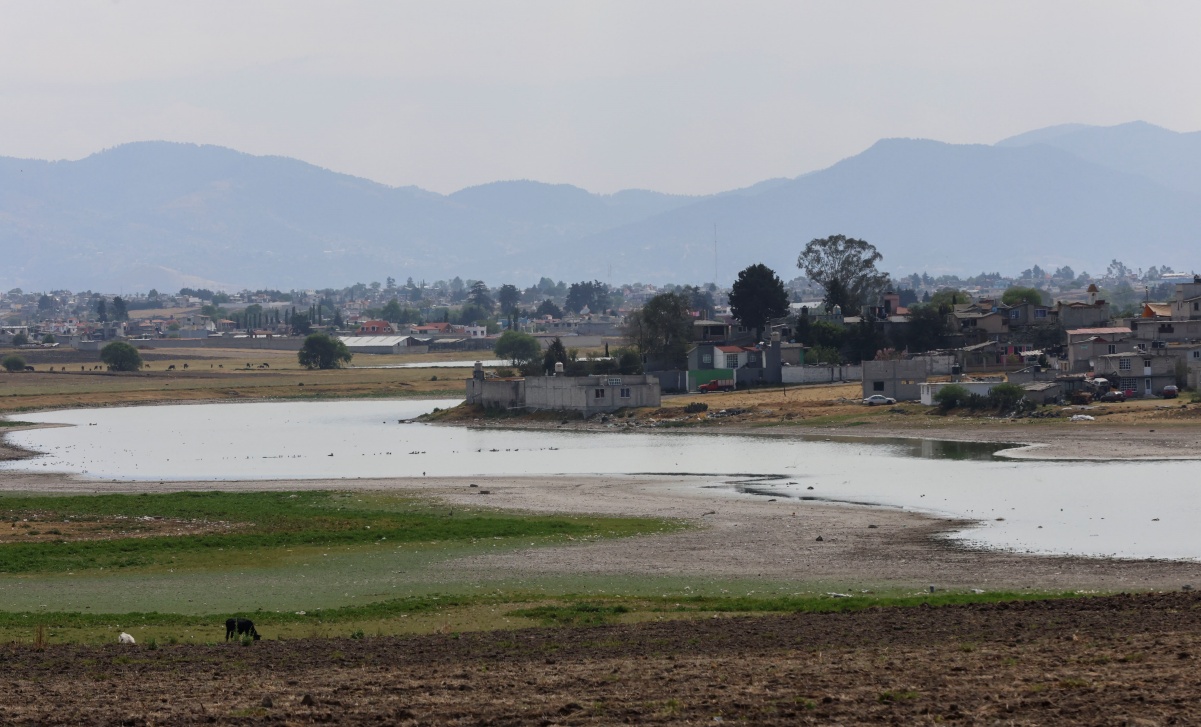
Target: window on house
[[1123, 364], [1112, 348], [1196, 354], [877, 386], [614, 382], [598, 394], [1040, 313], [1196, 305], [707, 358], [1127, 383], [1147, 362], [1015, 314], [625, 393], [731, 360]]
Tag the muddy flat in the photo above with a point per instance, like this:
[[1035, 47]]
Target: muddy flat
[[1105, 660]]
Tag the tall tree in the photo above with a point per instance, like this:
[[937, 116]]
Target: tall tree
[[517, 348], [556, 352], [758, 296], [479, 296], [927, 326], [120, 309], [846, 268], [702, 300], [593, 295], [321, 351], [662, 329], [1017, 296], [391, 311], [101, 310], [548, 308], [508, 296], [120, 356]]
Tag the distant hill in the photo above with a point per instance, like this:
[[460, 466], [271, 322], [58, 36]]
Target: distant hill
[[165, 215], [929, 206]]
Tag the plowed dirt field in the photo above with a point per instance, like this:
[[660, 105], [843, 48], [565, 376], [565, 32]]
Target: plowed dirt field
[[1104, 660]]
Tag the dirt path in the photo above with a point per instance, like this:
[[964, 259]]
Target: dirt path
[[1113, 660]]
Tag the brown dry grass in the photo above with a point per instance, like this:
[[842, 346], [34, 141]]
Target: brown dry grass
[[221, 374], [36, 529]]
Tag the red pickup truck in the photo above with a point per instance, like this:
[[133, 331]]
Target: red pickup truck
[[717, 385]]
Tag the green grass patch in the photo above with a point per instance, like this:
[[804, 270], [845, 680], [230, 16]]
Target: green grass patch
[[452, 613], [7, 423], [575, 614], [269, 524]]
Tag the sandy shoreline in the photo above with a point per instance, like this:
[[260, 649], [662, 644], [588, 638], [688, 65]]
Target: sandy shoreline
[[744, 537], [734, 537]]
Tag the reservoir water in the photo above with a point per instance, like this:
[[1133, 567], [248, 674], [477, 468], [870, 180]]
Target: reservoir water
[[1122, 509]]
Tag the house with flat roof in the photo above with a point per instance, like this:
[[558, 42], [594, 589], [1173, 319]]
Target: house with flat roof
[[587, 395]]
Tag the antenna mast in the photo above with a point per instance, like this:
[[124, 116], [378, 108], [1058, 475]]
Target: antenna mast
[[715, 253]]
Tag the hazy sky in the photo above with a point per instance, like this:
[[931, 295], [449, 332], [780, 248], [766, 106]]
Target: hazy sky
[[688, 97]]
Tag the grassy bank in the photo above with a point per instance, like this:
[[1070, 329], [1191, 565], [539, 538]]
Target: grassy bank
[[81, 534], [451, 614]]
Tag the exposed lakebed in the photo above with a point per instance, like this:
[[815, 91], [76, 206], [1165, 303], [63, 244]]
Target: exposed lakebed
[[1123, 509]]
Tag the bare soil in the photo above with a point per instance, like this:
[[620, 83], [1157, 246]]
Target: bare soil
[[1106, 660], [38, 528]]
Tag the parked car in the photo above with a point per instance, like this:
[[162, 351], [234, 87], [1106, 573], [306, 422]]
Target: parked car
[[1170, 392], [717, 385], [1113, 395], [875, 399]]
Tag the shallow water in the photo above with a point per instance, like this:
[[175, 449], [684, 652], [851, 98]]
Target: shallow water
[[488, 362], [1134, 509]]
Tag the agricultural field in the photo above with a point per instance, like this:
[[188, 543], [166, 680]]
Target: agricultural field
[[68, 378], [1102, 660]]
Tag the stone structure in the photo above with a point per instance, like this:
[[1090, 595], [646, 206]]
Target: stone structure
[[587, 395]]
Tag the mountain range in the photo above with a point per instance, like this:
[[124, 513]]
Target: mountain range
[[167, 215]]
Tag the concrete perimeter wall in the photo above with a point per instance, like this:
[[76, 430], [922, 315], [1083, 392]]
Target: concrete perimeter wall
[[503, 393], [820, 374]]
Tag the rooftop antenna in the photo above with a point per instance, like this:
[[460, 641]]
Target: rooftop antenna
[[715, 253]]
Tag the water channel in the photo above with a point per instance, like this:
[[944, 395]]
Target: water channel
[[1122, 509]]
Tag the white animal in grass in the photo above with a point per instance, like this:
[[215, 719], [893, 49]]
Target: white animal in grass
[[125, 638]]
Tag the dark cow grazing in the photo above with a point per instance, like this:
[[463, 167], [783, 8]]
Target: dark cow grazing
[[29, 368], [240, 626], [171, 367], [185, 366]]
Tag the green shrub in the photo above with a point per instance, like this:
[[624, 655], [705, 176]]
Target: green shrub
[[951, 397], [13, 364], [1006, 397], [120, 356], [696, 407]]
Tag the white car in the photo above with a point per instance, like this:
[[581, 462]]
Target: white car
[[878, 399]]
